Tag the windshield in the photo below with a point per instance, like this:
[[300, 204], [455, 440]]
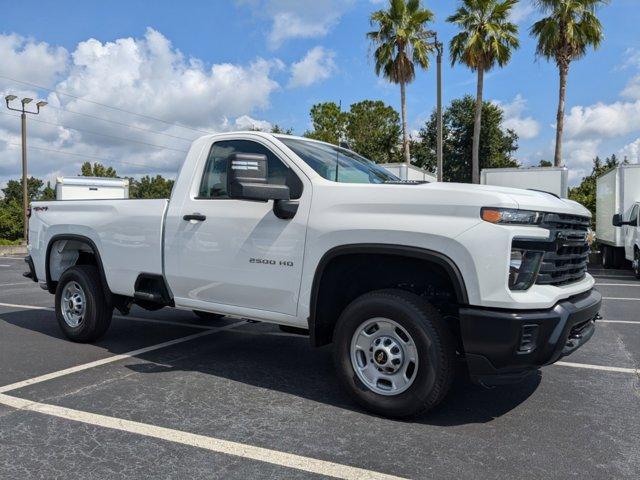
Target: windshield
[[351, 167]]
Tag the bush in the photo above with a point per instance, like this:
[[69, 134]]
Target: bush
[[4, 242]]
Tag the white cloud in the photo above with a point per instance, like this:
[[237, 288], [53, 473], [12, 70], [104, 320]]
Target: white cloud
[[317, 65], [632, 89], [24, 58], [631, 58], [245, 122], [603, 120], [521, 11], [298, 19], [525, 126], [631, 151], [145, 75]]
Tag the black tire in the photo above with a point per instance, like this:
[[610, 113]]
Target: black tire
[[636, 264], [97, 311], [618, 258], [435, 348], [208, 316]]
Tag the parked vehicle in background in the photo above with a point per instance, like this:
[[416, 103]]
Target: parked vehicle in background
[[403, 278], [617, 199], [553, 180], [409, 172], [91, 188]]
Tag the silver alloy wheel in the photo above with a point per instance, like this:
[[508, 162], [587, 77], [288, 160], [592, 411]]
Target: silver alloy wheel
[[384, 356], [73, 304]]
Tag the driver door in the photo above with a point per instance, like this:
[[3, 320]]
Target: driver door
[[631, 232], [240, 257]]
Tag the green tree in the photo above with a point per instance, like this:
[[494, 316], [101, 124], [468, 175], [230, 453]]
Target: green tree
[[487, 38], [458, 123], [401, 42], [373, 130], [13, 190], [278, 129], [329, 123], [545, 163], [564, 35], [48, 193], [10, 219], [150, 187], [97, 170]]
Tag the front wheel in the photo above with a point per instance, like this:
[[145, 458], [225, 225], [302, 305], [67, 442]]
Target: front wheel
[[83, 312], [636, 264], [394, 354]]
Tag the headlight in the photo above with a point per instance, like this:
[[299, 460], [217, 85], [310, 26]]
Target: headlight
[[523, 268], [511, 216]]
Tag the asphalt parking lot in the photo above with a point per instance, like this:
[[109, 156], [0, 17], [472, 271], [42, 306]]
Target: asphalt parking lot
[[164, 395]]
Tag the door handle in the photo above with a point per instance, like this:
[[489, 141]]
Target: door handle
[[195, 216]]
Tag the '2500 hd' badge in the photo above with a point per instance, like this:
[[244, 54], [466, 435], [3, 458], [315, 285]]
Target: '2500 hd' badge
[[266, 261]]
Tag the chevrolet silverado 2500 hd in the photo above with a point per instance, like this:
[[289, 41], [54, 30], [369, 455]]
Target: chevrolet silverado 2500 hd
[[403, 278]]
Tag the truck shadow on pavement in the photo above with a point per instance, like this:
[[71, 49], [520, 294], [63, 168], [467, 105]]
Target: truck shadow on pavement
[[254, 356]]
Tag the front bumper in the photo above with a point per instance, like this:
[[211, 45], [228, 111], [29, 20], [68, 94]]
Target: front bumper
[[502, 346]]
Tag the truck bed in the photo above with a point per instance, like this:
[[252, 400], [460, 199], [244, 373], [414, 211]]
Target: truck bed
[[127, 233]]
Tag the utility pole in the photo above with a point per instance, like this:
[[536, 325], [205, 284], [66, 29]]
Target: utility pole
[[439, 49], [25, 188]]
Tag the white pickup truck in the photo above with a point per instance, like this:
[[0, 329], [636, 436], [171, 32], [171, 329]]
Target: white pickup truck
[[404, 278]]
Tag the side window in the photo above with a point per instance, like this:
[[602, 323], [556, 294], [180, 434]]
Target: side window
[[214, 178]]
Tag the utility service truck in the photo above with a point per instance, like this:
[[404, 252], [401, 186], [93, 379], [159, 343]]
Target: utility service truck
[[618, 215], [405, 279], [554, 180]]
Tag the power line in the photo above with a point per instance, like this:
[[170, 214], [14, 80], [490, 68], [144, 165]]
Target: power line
[[103, 104], [120, 123], [101, 134], [82, 155]]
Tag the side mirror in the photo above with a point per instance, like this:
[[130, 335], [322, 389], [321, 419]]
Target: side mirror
[[247, 179], [617, 220]]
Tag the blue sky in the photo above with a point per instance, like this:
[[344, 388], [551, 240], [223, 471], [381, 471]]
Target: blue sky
[[215, 65]]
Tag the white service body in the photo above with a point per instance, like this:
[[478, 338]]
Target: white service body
[[618, 192], [91, 188], [409, 172], [554, 180]]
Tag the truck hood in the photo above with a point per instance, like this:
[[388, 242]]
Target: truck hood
[[524, 199]]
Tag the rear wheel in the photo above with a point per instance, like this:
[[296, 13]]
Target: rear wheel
[[83, 312], [208, 316], [636, 264], [394, 354]]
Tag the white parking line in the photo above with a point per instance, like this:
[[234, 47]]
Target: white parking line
[[622, 298], [243, 450], [598, 367], [26, 307], [630, 277], [633, 322], [115, 358], [10, 284]]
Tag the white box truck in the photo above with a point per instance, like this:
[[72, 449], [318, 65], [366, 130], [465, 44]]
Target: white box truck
[[618, 194], [411, 173], [553, 180], [91, 188]]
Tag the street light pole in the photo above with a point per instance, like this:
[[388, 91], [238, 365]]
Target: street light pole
[[25, 181], [439, 48]]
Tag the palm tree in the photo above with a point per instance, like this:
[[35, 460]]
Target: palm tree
[[564, 35], [401, 41], [487, 38]]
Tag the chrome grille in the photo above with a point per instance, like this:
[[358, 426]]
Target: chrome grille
[[568, 262]]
